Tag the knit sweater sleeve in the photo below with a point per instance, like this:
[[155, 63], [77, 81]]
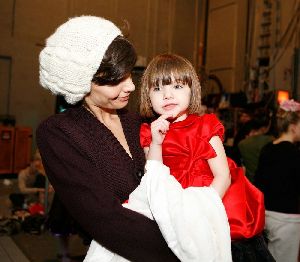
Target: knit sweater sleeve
[[75, 179]]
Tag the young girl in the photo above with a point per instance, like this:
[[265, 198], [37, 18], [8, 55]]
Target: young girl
[[193, 150], [190, 144], [278, 178]]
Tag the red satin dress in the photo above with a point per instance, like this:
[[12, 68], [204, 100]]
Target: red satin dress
[[186, 150]]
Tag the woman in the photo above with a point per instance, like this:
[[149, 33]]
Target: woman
[[91, 153], [277, 176]]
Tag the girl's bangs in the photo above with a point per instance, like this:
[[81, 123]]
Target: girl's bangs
[[168, 73]]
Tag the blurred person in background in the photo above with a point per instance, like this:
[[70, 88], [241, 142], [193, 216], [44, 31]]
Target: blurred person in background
[[31, 185], [257, 137], [278, 177]]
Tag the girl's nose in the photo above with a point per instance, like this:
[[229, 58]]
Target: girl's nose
[[167, 92]]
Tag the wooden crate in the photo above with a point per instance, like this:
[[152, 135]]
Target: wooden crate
[[22, 150], [7, 137], [15, 148]]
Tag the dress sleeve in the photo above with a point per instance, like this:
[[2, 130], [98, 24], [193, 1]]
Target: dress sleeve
[[213, 127], [209, 127], [145, 135]]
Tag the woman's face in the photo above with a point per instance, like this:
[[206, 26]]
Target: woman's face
[[111, 96]]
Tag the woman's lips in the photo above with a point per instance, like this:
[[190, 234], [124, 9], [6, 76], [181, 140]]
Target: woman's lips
[[124, 99]]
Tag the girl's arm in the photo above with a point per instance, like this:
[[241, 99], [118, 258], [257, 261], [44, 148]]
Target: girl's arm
[[159, 128], [153, 152], [219, 167]]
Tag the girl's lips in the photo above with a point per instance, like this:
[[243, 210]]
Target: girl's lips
[[169, 107]]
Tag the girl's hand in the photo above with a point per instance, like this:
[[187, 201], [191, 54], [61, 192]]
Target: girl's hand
[[159, 129]]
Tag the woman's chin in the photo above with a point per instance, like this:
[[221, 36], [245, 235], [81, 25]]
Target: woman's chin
[[121, 104]]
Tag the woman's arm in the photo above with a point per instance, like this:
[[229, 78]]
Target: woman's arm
[[80, 186], [219, 167]]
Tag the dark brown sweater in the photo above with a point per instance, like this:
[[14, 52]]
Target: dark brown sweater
[[93, 174]]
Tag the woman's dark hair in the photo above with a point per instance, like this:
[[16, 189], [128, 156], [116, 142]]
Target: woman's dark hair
[[117, 63]]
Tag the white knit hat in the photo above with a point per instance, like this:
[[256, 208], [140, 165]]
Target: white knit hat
[[73, 55]]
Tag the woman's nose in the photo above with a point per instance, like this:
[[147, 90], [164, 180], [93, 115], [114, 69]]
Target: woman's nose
[[128, 85]]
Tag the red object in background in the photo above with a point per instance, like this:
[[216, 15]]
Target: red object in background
[[282, 95], [36, 208]]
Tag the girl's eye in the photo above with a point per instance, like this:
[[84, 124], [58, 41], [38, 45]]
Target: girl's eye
[[178, 86], [156, 88]]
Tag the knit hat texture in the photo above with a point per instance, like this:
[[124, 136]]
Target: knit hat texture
[[73, 54]]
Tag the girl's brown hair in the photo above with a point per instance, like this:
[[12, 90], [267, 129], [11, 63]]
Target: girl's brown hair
[[162, 70]]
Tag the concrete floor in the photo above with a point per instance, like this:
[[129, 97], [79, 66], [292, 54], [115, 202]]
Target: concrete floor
[[9, 251], [34, 248]]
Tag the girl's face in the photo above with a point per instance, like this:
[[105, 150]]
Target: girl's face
[[173, 99], [111, 96]]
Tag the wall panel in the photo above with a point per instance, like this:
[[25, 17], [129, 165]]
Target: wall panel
[[184, 28], [5, 77], [137, 19], [221, 37], [87, 7], [226, 38], [163, 14], [37, 19], [220, 3], [7, 17]]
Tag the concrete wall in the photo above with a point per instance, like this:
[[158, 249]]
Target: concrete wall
[[229, 25], [286, 39], [226, 42], [285, 34]]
